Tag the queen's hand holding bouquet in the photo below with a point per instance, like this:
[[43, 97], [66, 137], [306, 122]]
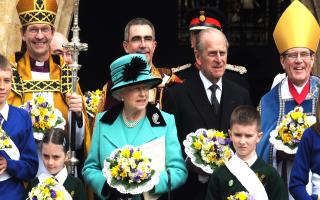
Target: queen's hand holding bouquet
[[129, 171], [43, 115], [287, 135], [208, 149]]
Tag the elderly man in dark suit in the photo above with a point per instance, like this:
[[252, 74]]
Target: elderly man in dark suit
[[204, 101]]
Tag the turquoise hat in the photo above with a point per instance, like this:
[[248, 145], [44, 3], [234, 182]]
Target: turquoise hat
[[130, 70]]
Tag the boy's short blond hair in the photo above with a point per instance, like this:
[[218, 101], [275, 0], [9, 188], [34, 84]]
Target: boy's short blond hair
[[246, 115], [4, 64]]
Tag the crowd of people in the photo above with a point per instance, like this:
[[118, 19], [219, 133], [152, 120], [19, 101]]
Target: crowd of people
[[149, 110]]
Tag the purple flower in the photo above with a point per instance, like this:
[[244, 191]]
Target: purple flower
[[53, 193], [250, 197], [34, 198], [44, 105], [221, 141]]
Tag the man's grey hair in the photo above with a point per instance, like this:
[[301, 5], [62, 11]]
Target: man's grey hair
[[138, 21], [200, 38]]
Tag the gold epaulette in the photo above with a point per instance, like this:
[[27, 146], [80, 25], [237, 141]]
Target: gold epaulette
[[181, 68], [236, 68]]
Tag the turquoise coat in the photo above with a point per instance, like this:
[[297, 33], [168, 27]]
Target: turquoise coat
[[108, 134]]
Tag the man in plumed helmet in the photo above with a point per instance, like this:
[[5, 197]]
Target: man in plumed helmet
[[200, 19], [37, 72], [298, 89]]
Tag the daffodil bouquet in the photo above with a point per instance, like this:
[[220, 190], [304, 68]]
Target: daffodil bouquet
[[129, 171], [288, 133], [48, 189], [43, 115], [208, 149], [92, 99], [4, 140], [241, 196]]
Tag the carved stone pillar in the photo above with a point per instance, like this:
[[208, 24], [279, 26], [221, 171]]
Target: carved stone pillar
[[314, 7]]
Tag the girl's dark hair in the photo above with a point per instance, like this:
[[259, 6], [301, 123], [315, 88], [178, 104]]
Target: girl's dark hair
[[56, 136]]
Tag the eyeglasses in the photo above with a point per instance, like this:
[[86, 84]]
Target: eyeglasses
[[294, 55], [139, 39], [36, 30]]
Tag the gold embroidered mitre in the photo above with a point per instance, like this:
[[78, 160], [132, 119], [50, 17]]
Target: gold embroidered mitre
[[37, 11], [297, 27]]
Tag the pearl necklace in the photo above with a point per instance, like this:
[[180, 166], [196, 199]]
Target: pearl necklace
[[129, 123]]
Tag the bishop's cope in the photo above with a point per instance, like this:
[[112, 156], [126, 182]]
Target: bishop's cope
[[299, 88], [37, 72]]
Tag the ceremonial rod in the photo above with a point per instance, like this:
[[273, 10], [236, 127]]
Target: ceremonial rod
[[74, 47]]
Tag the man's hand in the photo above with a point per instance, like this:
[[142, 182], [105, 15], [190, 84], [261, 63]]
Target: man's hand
[[3, 164], [74, 102], [196, 169]]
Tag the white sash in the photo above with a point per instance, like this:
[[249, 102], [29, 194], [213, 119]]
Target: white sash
[[14, 154], [247, 178]]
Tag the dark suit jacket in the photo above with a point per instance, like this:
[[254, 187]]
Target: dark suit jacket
[[192, 110]]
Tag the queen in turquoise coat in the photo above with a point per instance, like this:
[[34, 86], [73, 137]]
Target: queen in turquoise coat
[[134, 122]]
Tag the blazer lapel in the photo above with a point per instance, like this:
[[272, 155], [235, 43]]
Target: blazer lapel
[[198, 97]]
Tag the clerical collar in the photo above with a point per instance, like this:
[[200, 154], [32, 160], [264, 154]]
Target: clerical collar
[[38, 66]]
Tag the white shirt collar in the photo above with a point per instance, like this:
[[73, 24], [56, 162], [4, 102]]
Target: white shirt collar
[[251, 160], [62, 175], [208, 83], [39, 63], [5, 111]]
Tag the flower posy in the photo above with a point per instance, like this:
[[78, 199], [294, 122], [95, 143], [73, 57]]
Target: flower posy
[[43, 115], [129, 166], [92, 100], [46, 190], [241, 196], [292, 126], [4, 139], [208, 149]]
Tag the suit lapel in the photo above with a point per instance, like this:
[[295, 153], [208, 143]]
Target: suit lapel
[[198, 97], [227, 102]]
